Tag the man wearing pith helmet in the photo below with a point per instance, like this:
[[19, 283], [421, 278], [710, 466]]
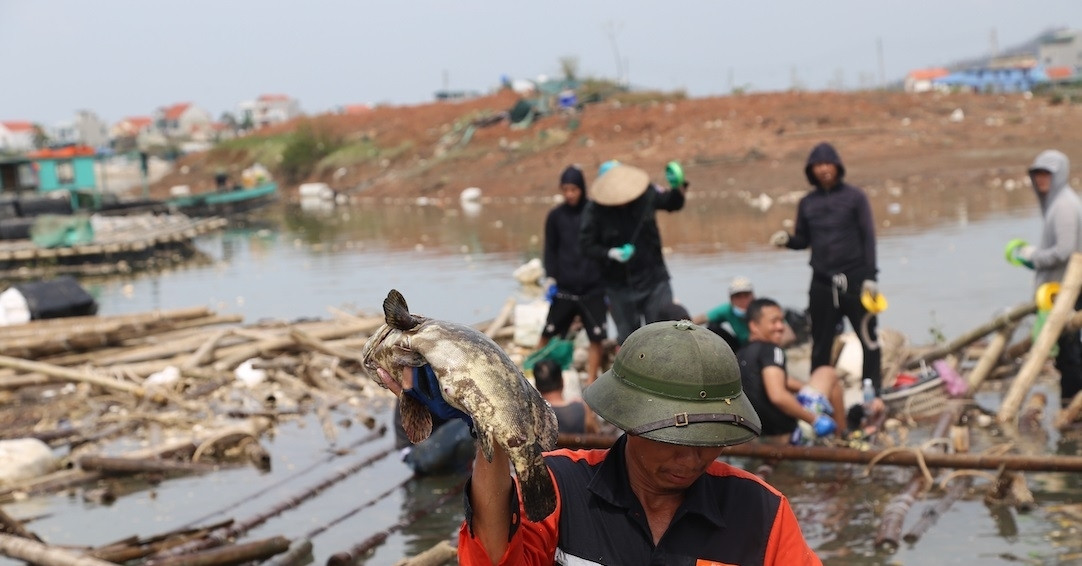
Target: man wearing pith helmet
[[659, 495]]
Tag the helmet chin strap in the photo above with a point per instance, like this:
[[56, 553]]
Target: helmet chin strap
[[683, 419]]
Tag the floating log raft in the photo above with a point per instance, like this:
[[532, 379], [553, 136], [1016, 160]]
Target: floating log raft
[[121, 244]]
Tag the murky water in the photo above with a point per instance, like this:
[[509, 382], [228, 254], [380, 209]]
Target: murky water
[[942, 270]]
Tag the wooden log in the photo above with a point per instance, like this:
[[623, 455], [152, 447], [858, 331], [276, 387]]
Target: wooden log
[[366, 546], [220, 537], [72, 375], [1047, 463], [502, 318], [233, 357], [955, 492], [299, 554], [12, 526], [38, 553], [1069, 414], [1062, 309], [204, 354], [1017, 313], [989, 359], [239, 553], [126, 466], [890, 525], [440, 553]]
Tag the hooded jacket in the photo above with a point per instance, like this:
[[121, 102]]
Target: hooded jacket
[[573, 272], [836, 224], [1061, 208]]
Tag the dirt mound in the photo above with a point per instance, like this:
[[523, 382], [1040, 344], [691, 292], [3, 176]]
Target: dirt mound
[[747, 142]]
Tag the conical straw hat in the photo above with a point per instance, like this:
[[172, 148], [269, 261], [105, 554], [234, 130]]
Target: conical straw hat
[[619, 185]]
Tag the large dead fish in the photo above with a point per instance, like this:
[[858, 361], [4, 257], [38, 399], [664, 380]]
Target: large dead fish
[[475, 376]]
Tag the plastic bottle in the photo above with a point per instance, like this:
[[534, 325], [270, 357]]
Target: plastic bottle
[[869, 393]]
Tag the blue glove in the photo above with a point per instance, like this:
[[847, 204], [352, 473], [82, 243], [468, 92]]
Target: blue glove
[[824, 425], [426, 389], [550, 292]]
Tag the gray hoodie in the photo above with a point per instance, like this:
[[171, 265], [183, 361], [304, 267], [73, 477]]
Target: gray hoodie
[[1061, 235]]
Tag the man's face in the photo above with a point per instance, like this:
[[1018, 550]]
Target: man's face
[[769, 327], [572, 193], [741, 300], [662, 468], [826, 174], [1042, 181]]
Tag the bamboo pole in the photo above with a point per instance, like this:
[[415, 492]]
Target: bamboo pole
[[10, 525], [989, 359], [1047, 463], [240, 553], [230, 358], [38, 553], [72, 375], [1017, 313], [1068, 415], [124, 466], [440, 553], [222, 536], [890, 525], [1062, 309], [502, 318], [366, 546]]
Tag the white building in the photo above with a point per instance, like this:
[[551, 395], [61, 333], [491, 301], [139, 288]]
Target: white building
[[86, 129], [16, 136], [1061, 49], [268, 109], [184, 121]]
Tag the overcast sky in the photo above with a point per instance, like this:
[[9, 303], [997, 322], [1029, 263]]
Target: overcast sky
[[128, 57]]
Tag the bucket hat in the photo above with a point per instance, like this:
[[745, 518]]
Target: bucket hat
[[741, 285], [619, 185], [676, 382]]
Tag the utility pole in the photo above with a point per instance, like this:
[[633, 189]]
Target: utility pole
[[882, 70], [994, 43], [611, 29]]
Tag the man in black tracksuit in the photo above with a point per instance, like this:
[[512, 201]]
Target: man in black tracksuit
[[835, 220], [577, 279]]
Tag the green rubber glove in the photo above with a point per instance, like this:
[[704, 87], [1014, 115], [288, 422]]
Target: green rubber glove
[[675, 174]]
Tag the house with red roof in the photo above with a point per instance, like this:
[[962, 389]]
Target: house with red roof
[[921, 80], [17, 136], [183, 121]]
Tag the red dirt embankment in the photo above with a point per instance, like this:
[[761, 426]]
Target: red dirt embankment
[[748, 142]]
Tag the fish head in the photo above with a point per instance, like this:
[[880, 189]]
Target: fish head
[[387, 352]]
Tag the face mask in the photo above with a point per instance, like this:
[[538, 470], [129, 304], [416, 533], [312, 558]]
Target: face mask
[[739, 311]]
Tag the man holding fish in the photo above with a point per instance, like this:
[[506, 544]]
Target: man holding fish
[[659, 495]]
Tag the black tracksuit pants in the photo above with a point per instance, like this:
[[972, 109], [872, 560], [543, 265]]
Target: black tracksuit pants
[[824, 326], [1069, 362]]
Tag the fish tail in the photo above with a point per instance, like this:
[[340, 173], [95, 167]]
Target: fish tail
[[538, 493], [396, 312]]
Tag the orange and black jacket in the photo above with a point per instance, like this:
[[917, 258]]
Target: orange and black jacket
[[729, 517]]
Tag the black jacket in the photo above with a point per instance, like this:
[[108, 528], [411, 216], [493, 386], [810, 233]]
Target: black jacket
[[605, 227], [563, 261], [836, 224]]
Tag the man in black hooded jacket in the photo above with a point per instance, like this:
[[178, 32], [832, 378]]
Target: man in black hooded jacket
[[835, 220], [575, 281]]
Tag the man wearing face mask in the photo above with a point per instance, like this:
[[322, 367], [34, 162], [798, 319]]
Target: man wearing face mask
[[730, 320]]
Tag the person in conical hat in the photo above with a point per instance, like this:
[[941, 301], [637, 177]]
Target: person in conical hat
[[620, 232]]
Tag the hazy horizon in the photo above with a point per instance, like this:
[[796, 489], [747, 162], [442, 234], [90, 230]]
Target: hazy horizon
[[129, 57]]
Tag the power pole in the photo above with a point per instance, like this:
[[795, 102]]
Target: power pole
[[882, 69]]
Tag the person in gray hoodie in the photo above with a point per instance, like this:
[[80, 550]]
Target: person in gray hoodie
[[1061, 236]]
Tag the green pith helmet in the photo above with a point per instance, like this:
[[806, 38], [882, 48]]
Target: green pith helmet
[[676, 382]]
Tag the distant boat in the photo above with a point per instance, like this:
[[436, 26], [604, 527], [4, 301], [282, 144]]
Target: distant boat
[[238, 200]]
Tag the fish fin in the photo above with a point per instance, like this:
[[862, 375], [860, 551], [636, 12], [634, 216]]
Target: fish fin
[[397, 313], [416, 420], [538, 493]]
